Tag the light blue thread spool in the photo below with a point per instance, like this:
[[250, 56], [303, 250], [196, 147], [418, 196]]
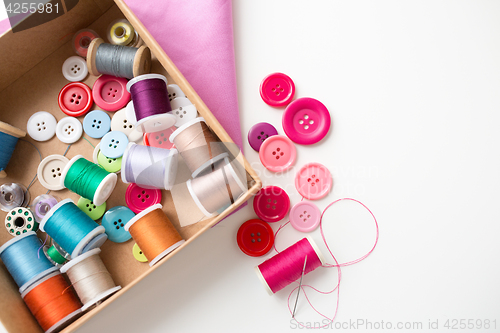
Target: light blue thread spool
[[72, 229], [24, 262]]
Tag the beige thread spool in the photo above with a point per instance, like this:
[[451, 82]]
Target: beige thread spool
[[90, 278], [198, 146]]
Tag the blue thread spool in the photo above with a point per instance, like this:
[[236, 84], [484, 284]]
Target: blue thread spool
[[8, 137], [72, 229], [20, 256]]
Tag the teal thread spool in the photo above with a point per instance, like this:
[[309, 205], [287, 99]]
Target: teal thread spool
[[72, 229], [88, 180], [8, 137]]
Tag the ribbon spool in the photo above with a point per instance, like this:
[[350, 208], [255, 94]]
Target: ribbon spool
[[19, 221], [153, 232], [56, 254], [72, 229], [20, 257], [215, 191], [286, 267], [88, 180], [13, 195], [8, 137], [150, 105], [198, 146], [117, 60], [52, 302], [149, 167], [81, 41], [42, 204], [90, 278]]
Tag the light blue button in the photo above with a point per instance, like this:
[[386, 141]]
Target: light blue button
[[96, 124], [114, 222], [114, 144]]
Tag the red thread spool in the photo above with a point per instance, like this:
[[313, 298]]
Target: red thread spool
[[81, 41]]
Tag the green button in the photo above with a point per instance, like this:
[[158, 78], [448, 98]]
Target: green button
[[109, 164], [138, 255], [93, 211]]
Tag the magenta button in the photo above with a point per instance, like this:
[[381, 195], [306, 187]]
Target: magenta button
[[271, 204], [138, 198], [313, 181], [160, 139], [259, 133], [305, 216], [110, 93], [277, 89], [277, 153], [306, 121]]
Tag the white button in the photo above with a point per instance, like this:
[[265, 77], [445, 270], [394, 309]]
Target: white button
[[174, 91], [75, 69], [42, 126], [50, 170], [179, 101], [130, 113], [119, 122], [184, 114], [69, 130]]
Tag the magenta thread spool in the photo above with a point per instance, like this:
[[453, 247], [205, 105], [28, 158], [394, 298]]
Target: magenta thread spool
[[286, 267], [150, 105]]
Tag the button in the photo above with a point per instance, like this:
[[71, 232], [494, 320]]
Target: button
[[180, 102], [108, 164], [42, 126], [313, 181], [114, 221], [259, 133], [89, 208], [114, 144], [174, 91], [50, 170], [160, 139], [19, 221], [138, 255], [306, 121], [183, 114], [277, 89], [75, 69], [305, 216], [139, 198], [110, 92], [119, 122], [277, 153], [96, 124], [255, 238], [271, 204], [75, 99], [69, 130]]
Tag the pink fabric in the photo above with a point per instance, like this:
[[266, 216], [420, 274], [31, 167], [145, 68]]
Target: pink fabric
[[198, 37]]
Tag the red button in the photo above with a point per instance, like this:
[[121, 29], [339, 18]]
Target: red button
[[277, 89], [255, 238], [110, 92], [138, 198], [75, 99], [160, 139], [271, 204]]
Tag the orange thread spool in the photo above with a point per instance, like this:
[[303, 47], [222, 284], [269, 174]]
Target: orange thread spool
[[153, 232], [53, 302]]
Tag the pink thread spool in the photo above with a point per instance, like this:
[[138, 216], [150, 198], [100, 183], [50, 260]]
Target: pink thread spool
[[286, 267]]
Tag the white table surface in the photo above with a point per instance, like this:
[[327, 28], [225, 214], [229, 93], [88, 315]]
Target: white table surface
[[413, 88]]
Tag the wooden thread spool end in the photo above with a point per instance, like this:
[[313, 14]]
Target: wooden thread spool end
[[91, 56], [142, 61]]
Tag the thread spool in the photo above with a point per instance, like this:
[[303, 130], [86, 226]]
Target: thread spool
[[286, 267], [20, 257], [215, 191], [121, 32], [56, 254], [153, 232], [19, 221], [198, 146], [52, 302], [117, 60], [13, 195], [8, 137], [42, 204], [88, 180], [72, 229], [90, 278], [149, 167], [81, 41], [150, 105]]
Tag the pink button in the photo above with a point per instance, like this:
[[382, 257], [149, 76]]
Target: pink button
[[277, 153], [277, 89], [271, 204], [138, 198], [306, 121], [160, 139], [75, 99], [313, 181], [110, 92], [305, 216]]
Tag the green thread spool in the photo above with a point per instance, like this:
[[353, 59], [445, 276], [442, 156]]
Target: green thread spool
[[88, 180], [54, 255]]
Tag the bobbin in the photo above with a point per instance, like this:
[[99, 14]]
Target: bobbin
[[56, 254], [19, 221], [141, 65], [81, 41], [13, 195], [42, 204], [105, 188], [12, 131], [100, 297], [121, 32]]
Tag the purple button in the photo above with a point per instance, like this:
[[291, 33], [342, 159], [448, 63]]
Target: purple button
[[260, 132], [305, 216]]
